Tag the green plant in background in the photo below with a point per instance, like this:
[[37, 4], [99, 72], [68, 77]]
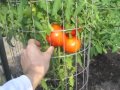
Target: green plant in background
[[33, 20]]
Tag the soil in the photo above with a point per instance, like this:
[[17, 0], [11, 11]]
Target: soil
[[104, 72]]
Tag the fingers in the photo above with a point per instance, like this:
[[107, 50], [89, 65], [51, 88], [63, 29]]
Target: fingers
[[33, 41], [50, 50]]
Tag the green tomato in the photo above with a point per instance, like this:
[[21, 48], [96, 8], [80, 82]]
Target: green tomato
[[34, 10]]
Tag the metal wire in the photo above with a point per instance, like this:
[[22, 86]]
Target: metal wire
[[63, 22], [64, 30], [76, 25]]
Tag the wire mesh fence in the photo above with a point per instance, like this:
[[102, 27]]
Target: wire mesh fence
[[69, 65], [68, 71]]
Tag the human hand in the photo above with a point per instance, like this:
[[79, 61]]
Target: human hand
[[35, 63]]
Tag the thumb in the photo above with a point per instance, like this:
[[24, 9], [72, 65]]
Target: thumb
[[50, 50]]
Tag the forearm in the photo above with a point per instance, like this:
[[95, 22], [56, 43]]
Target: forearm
[[34, 78]]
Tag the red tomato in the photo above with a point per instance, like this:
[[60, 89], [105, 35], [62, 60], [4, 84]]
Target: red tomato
[[67, 34], [56, 38], [72, 45], [48, 38], [56, 26], [73, 32]]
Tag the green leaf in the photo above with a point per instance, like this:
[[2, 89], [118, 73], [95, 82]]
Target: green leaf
[[71, 81], [44, 84], [38, 25], [20, 9], [27, 12], [39, 15], [69, 9], [61, 74], [105, 2], [91, 52], [44, 4], [56, 6], [104, 50], [79, 60], [40, 28], [98, 48], [68, 62], [114, 49], [81, 4]]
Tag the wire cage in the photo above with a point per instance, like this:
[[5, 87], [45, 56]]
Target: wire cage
[[68, 71]]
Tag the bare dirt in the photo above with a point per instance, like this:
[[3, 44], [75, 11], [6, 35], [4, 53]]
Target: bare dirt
[[105, 72]]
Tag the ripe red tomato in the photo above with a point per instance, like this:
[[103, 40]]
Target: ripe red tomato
[[56, 26], [56, 38], [48, 38], [72, 45], [67, 34], [73, 32]]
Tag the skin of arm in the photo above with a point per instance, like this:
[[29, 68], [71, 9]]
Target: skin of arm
[[35, 63]]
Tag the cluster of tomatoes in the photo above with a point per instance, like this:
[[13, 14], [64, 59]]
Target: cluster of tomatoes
[[68, 41]]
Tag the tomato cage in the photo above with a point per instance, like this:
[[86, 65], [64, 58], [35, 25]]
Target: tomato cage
[[34, 19]]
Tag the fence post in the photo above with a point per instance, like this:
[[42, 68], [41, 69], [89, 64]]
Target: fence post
[[4, 60]]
